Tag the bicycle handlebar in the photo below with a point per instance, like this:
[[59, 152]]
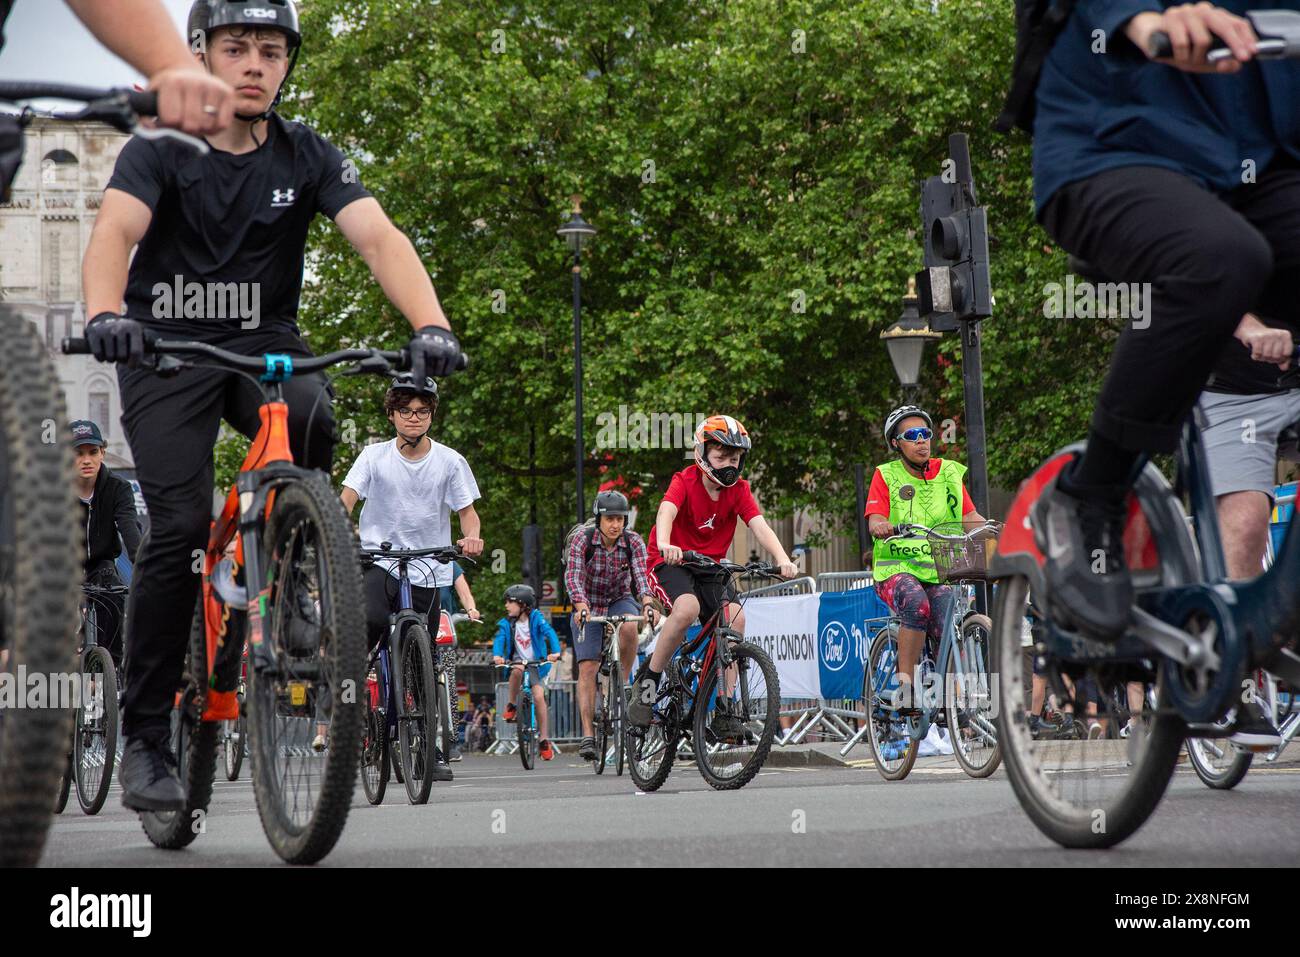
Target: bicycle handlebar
[[370, 360], [766, 569], [141, 102], [913, 530], [612, 619], [1278, 33], [442, 553]]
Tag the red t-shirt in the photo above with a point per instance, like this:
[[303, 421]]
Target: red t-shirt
[[702, 524], [878, 496]]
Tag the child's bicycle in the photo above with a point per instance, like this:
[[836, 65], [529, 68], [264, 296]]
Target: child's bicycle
[[717, 666], [293, 588], [408, 716], [39, 564], [526, 731], [234, 732], [956, 689]]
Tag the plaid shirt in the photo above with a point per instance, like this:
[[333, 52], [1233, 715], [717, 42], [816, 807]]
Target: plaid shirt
[[613, 573]]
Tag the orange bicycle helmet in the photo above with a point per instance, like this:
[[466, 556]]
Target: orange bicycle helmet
[[729, 433]]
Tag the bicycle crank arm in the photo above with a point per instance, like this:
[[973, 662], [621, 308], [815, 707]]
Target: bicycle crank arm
[[1173, 643]]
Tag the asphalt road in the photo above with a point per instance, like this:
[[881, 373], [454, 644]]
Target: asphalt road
[[496, 813]]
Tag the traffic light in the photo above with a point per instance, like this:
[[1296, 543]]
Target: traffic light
[[955, 284]]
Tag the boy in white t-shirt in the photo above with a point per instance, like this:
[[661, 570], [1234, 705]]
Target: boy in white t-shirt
[[410, 486]]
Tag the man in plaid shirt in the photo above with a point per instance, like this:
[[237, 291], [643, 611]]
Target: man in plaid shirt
[[605, 575]]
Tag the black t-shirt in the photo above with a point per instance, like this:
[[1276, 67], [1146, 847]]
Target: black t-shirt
[[1237, 373], [224, 218]]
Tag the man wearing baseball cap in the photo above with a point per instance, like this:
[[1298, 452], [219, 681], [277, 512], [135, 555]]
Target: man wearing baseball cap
[[108, 519]]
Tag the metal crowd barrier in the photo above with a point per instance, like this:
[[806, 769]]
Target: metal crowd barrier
[[844, 581], [795, 586]]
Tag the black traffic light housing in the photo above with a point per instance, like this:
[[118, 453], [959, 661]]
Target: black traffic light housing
[[954, 286]]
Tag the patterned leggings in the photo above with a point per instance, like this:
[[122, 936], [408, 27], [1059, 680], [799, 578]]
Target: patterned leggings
[[920, 605]]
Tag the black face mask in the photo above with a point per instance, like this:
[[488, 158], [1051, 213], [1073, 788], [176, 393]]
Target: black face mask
[[727, 476]]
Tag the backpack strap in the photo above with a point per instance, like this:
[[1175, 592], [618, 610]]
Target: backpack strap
[[1036, 38]]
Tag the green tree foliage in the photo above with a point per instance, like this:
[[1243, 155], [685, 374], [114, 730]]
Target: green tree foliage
[[753, 169]]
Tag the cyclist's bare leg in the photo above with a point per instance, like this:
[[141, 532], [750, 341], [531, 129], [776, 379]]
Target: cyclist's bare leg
[[543, 718], [1244, 516], [627, 634], [516, 678], [587, 694], [686, 608]]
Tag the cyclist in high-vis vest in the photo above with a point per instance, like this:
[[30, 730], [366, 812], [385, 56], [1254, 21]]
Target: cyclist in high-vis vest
[[913, 489]]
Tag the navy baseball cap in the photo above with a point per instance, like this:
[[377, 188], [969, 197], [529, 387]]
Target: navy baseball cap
[[85, 432]]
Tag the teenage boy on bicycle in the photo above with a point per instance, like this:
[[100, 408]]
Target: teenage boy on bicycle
[[606, 574], [410, 486], [699, 514], [913, 489], [233, 222], [525, 634]]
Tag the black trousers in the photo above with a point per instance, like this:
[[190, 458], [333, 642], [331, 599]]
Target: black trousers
[[1209, 258], [381, 600], [172, 427]]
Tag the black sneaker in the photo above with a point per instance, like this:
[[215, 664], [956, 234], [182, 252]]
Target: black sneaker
[[440, 770], [587, 749], [149, 778], [725, 725], [1077, 536], [641, 705], [1253, 730]]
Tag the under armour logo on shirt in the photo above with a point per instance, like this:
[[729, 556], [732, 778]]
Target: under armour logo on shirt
[[281, 197], [709, 523]]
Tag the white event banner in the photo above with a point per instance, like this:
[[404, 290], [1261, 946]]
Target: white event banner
[[785, 627]]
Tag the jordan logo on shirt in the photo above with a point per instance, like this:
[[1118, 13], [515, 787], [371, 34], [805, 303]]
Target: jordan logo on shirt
[[281, 197], [709, 523]]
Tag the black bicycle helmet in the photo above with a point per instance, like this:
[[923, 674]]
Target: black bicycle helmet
[[611, 503], [406, 383], [523, 594], [209, 15]]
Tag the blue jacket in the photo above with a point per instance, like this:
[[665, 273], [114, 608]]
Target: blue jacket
[[503, 645], [1099, 111]]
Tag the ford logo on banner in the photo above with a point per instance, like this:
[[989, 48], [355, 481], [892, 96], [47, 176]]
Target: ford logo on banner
[[834, 646]]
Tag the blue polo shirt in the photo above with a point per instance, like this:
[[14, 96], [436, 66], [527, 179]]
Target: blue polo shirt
[[1100, 111]]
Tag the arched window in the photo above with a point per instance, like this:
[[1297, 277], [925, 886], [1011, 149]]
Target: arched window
[[59, 168]]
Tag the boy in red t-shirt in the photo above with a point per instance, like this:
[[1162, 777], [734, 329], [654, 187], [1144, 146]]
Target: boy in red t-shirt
[[699, 514]]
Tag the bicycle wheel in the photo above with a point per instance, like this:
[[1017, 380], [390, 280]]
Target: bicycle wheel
[[374, 757], [40, 564], [1080, 793], [94, 736], [417, 713], [969, 704], [235, 742], [601, 721], [617, 723], [65, 786], [525, 733], [1218, 762], [650, 755], [892, 748], [194, 743], [754, 698], [317, 647]]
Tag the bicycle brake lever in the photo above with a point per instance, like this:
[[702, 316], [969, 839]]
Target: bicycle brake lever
[[371, 364], [159, 133]]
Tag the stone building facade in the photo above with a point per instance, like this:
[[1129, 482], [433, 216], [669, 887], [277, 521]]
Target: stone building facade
[[44, 230]]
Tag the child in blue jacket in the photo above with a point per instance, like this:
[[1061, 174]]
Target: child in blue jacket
[[525, 635]]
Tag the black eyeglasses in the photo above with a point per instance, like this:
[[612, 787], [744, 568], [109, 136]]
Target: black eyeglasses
[[415, 413]]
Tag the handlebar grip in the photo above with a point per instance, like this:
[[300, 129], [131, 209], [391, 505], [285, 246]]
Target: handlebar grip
[[1159, 47], [75, 347], [143, 102]]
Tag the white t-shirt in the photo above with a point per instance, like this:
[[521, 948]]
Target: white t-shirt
[[524, 640], [409, 503]]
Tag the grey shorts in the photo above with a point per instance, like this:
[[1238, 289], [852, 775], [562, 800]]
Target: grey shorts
[[1241, 440], [587, 647]]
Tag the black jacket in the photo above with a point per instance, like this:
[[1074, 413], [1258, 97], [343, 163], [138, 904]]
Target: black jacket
[[111, 512]]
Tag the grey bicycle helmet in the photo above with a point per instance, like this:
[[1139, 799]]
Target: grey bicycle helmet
[[611, 503], [208, 15], [901, 413], [523, 594]]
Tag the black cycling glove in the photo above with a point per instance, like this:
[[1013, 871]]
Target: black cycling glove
[[434, 352], [114, 338]]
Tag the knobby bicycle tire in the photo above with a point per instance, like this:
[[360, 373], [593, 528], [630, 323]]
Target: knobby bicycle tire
[[747, 658], [374, 756], [92, 792], [417, 718], [194, 743], [299, 504], [234, 748], [40, 563]]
